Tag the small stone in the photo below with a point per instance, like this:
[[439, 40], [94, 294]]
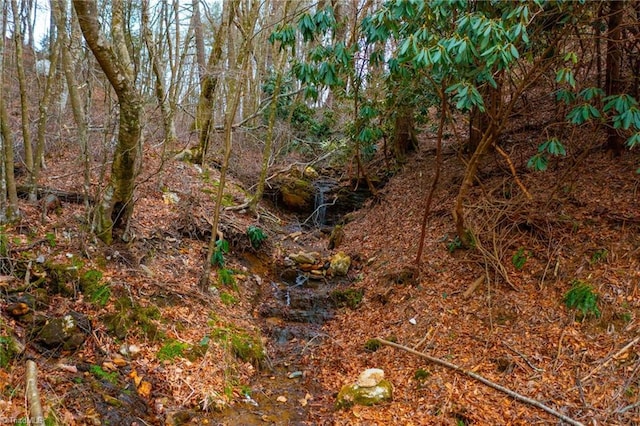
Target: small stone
[[295, 374], [302, 257], [281, 398]]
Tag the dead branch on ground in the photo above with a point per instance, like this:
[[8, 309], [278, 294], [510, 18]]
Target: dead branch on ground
[[487, 382], [32, 394]]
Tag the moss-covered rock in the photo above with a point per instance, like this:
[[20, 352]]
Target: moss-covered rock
[[354, 394], [67, 332], [340, 264], [297, 194]]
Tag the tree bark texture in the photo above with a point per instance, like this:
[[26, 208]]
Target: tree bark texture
[[116, 205]]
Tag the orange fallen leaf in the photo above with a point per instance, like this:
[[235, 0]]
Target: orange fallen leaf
[[144, 389]]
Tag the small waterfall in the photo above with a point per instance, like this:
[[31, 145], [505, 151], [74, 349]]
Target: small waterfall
[[322, 186]]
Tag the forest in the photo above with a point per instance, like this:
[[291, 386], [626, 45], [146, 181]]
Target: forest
[[310, 212]]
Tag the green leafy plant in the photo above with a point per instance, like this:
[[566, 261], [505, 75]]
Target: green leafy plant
[[51, 239], [583, 298], [454, 244], [100, 295], [172, 349], [540, 161], [256, 236], [520, 258], [225, 276], [222, 248]]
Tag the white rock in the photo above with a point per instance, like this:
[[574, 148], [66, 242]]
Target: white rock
[[370, 377]]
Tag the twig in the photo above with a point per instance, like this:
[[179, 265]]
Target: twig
[[533, 367], [487, 382], [627, 408], [610, 357], [513, 171], [33, 397]]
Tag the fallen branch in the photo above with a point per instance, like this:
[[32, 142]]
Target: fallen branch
[[610, 357], [487, 382], [473, 286], [33, 397]]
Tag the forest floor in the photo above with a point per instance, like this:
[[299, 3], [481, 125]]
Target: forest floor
[[497, 310]]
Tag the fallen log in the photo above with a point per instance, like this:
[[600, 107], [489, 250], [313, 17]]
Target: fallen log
[[481, 379], [42, 191], [32, 394]]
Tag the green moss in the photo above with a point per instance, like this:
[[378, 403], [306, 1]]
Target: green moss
[[228, 299], [172, 349], [350, 297], [372, 345], [242, 345], [129, 315], [421, 375], [7, 351], [351, 395], [100, 374]]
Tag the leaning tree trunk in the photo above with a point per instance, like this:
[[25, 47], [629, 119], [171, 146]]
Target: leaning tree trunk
[[613, 81], [116, 205]]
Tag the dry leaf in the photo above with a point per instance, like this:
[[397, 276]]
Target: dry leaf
[[144, 389]]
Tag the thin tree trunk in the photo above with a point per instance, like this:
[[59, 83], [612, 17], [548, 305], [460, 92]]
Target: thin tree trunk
[[268, 142], [613, 81], [436, 177], [199, 38], [59, 10], [32, 395], [235, 85], [10, 209], [44, 105], [24, 100], [204, 122], [160, 91], [116, 206]]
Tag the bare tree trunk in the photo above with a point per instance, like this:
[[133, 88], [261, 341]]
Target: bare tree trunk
[[116, 206], [204, 115], [613, 80], [10, 198], [235, 82], [199, 36], [160, 90], [59, 10], [24, 101], [43, 110]]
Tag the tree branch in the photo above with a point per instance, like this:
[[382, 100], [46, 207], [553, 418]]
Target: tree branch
[[487, 382]]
